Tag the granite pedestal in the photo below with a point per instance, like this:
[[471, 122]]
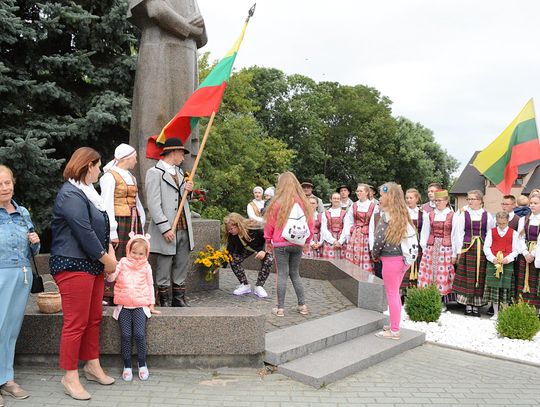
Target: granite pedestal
[[361, 288]]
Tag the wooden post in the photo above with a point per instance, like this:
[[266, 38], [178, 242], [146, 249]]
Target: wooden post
[[193, 170]]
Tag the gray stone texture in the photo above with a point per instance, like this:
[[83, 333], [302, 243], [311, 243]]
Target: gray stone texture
[[361, 288], [425, 376], [167, 71], [300, 340]]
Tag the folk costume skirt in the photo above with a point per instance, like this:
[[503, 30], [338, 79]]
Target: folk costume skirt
[[357, 251], [530, 291], [470, 281], [436, 268]]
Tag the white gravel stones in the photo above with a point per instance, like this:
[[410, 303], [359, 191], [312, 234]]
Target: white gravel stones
[[475, 334]]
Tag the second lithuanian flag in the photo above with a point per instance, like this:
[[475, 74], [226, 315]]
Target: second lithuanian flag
[[518, 144]]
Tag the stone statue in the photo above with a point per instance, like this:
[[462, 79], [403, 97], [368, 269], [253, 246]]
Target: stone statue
[[167, 70]]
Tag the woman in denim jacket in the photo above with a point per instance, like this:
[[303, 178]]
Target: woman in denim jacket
[[18, 243]]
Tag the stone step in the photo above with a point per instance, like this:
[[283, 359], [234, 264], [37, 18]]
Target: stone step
[[337, 362], [300, 340]]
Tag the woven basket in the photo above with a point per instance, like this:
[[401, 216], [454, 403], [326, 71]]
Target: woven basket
[[49, 302]]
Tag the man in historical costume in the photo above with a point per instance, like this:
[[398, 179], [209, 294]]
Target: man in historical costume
[[344, 192], [165, 185], [307, 187], [167, 71], [508, 204]]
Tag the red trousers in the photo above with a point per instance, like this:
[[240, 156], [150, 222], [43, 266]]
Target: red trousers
[[81, 304]]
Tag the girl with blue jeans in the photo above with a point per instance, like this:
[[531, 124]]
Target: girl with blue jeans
[[287, 255]]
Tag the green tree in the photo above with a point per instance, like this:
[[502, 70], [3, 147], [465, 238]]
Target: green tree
[[425, 160], [66, 77], [239, 153]]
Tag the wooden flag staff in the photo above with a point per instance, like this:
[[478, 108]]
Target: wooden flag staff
[[193, 170]]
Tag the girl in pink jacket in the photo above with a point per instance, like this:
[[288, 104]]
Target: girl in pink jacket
[[134, 297]]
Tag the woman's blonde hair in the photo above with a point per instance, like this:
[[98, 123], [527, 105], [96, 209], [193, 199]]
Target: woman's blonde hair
[[397, 211], [415, 192], [243, 225], [5, 168], [288, 189]]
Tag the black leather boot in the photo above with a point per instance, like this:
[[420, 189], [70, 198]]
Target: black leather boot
[[164, 296], [179, 296]]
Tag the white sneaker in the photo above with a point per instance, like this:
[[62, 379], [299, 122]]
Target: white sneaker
[[127, 374], [260, 292], [242, 289], [143, 373]]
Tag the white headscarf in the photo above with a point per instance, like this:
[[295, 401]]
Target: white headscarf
[[258, 188], [121, 152], [270, 191]]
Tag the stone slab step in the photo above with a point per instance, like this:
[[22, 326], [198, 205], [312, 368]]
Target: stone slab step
[[337, 362], [300, 340]]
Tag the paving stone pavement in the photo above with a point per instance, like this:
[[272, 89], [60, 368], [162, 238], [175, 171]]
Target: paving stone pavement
[[320, 296], [425, 376]]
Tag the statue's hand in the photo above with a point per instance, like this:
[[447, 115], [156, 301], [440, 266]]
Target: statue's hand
[[195, 31], [197, 21]]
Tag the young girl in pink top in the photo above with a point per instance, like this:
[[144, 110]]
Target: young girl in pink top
[[134, 297], [287, 255]]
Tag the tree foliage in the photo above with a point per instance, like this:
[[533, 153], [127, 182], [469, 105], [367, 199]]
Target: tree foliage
[[66, 77]]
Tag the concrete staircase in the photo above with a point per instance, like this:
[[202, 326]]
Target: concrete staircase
[[322, 351]]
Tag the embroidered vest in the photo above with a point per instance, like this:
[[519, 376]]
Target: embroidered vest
[[317, 227], [475, 228], [440, 229], [513, 224], [419, 221], [531, 232], [125, 196], [501, 243], [335, 224], [361, 219]]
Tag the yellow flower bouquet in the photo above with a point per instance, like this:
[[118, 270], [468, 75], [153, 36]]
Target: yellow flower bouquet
[[211, 260]]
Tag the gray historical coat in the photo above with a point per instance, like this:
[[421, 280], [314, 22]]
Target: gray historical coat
[[163, 198]]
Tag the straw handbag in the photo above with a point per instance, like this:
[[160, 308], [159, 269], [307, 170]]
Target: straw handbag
[[49, 302]]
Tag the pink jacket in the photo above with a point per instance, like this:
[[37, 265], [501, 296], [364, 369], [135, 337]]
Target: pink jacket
[[273, 233], [134, 283]]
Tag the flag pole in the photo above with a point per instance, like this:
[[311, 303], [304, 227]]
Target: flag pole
[[193, 170]]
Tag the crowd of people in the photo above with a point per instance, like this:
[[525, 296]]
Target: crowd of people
[[100, 251]]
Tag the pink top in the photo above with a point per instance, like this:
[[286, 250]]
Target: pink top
[[273, 233]]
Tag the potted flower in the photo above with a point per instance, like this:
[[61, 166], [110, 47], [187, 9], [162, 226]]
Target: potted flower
[[211, 260]]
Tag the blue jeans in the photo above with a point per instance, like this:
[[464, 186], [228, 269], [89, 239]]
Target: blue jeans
[[287, 259]]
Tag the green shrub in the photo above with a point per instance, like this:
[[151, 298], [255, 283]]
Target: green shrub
[[423, 304], [518, 321]]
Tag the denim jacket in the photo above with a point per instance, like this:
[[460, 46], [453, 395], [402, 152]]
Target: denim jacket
[[79, 230], [15, 248]]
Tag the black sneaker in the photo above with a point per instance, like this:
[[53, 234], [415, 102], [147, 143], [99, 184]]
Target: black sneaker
[[468, 312], [490, 311], [475, 312]]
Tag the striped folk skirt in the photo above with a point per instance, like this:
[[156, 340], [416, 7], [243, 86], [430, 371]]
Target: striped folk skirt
[[357, 251], [413, 271], [468, 290], [533, 296], [436, 267]]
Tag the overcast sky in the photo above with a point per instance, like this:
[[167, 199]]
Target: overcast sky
[[463, 68]]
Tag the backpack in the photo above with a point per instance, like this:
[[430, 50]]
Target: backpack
[[296, 229]]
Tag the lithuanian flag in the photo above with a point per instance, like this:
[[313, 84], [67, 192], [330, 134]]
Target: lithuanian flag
[[202, 103], [518, 144]]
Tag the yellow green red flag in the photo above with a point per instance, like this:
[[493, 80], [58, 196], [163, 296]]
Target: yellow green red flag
[[202, 103], [518, 144]]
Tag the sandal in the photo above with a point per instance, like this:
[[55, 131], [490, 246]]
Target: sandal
[[278, 312], [388, 335], [302, 309]]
